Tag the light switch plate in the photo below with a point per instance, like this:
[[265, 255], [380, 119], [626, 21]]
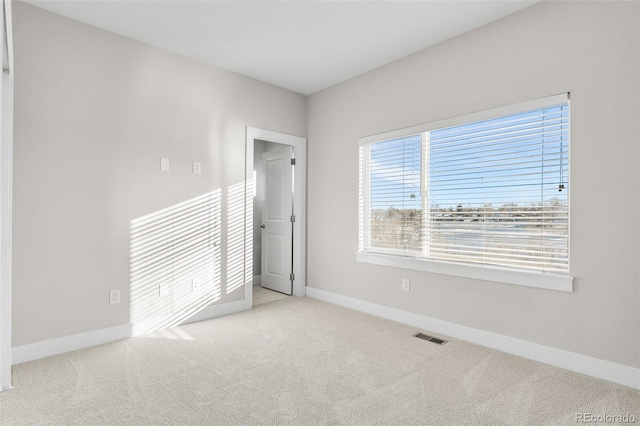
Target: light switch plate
[[406, 284], [164, 164], [195, 284]]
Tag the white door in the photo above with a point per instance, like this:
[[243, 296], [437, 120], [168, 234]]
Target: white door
[[277, 226]]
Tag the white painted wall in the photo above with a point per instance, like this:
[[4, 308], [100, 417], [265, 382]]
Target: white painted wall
[[94, 114], [590, 49]]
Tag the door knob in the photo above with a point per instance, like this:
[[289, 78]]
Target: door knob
[[263, 226]]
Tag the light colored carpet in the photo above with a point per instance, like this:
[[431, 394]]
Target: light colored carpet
[[301, 361]]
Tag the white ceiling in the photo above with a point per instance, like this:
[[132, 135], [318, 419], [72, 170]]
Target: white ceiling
[[304, 46]]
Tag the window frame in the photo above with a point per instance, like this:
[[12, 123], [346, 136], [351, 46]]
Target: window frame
[[502, 274]]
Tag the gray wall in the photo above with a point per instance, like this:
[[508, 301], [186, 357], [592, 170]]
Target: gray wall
[[588, 48], [94, 113]]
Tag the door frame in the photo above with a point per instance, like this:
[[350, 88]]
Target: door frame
[[299, 145], [6, 185]]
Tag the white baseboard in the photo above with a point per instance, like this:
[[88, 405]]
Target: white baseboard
[[257, 279], [65, 344], [594, 367], [38, 350]]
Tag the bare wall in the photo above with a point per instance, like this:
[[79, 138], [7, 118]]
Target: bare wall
[[590, 49], [94, 113]]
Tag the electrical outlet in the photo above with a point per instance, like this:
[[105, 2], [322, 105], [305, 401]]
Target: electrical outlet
[[406, 284], [197, 167], [163, 290], [195, 284], [114, 297]]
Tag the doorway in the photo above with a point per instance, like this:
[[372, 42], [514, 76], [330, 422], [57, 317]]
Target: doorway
[[274, 216], [276, 219]]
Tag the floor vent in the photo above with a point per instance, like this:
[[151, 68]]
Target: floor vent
[[430, 338]]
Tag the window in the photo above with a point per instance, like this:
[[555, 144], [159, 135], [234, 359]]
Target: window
[[488, 190]]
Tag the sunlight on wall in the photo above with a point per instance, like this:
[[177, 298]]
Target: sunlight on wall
[[239, 235], [169, 249]]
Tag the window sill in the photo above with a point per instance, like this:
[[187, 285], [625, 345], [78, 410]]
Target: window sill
[[488, 273]]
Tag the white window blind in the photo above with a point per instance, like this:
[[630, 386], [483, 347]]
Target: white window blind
[[395, 196], [491, 191]]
